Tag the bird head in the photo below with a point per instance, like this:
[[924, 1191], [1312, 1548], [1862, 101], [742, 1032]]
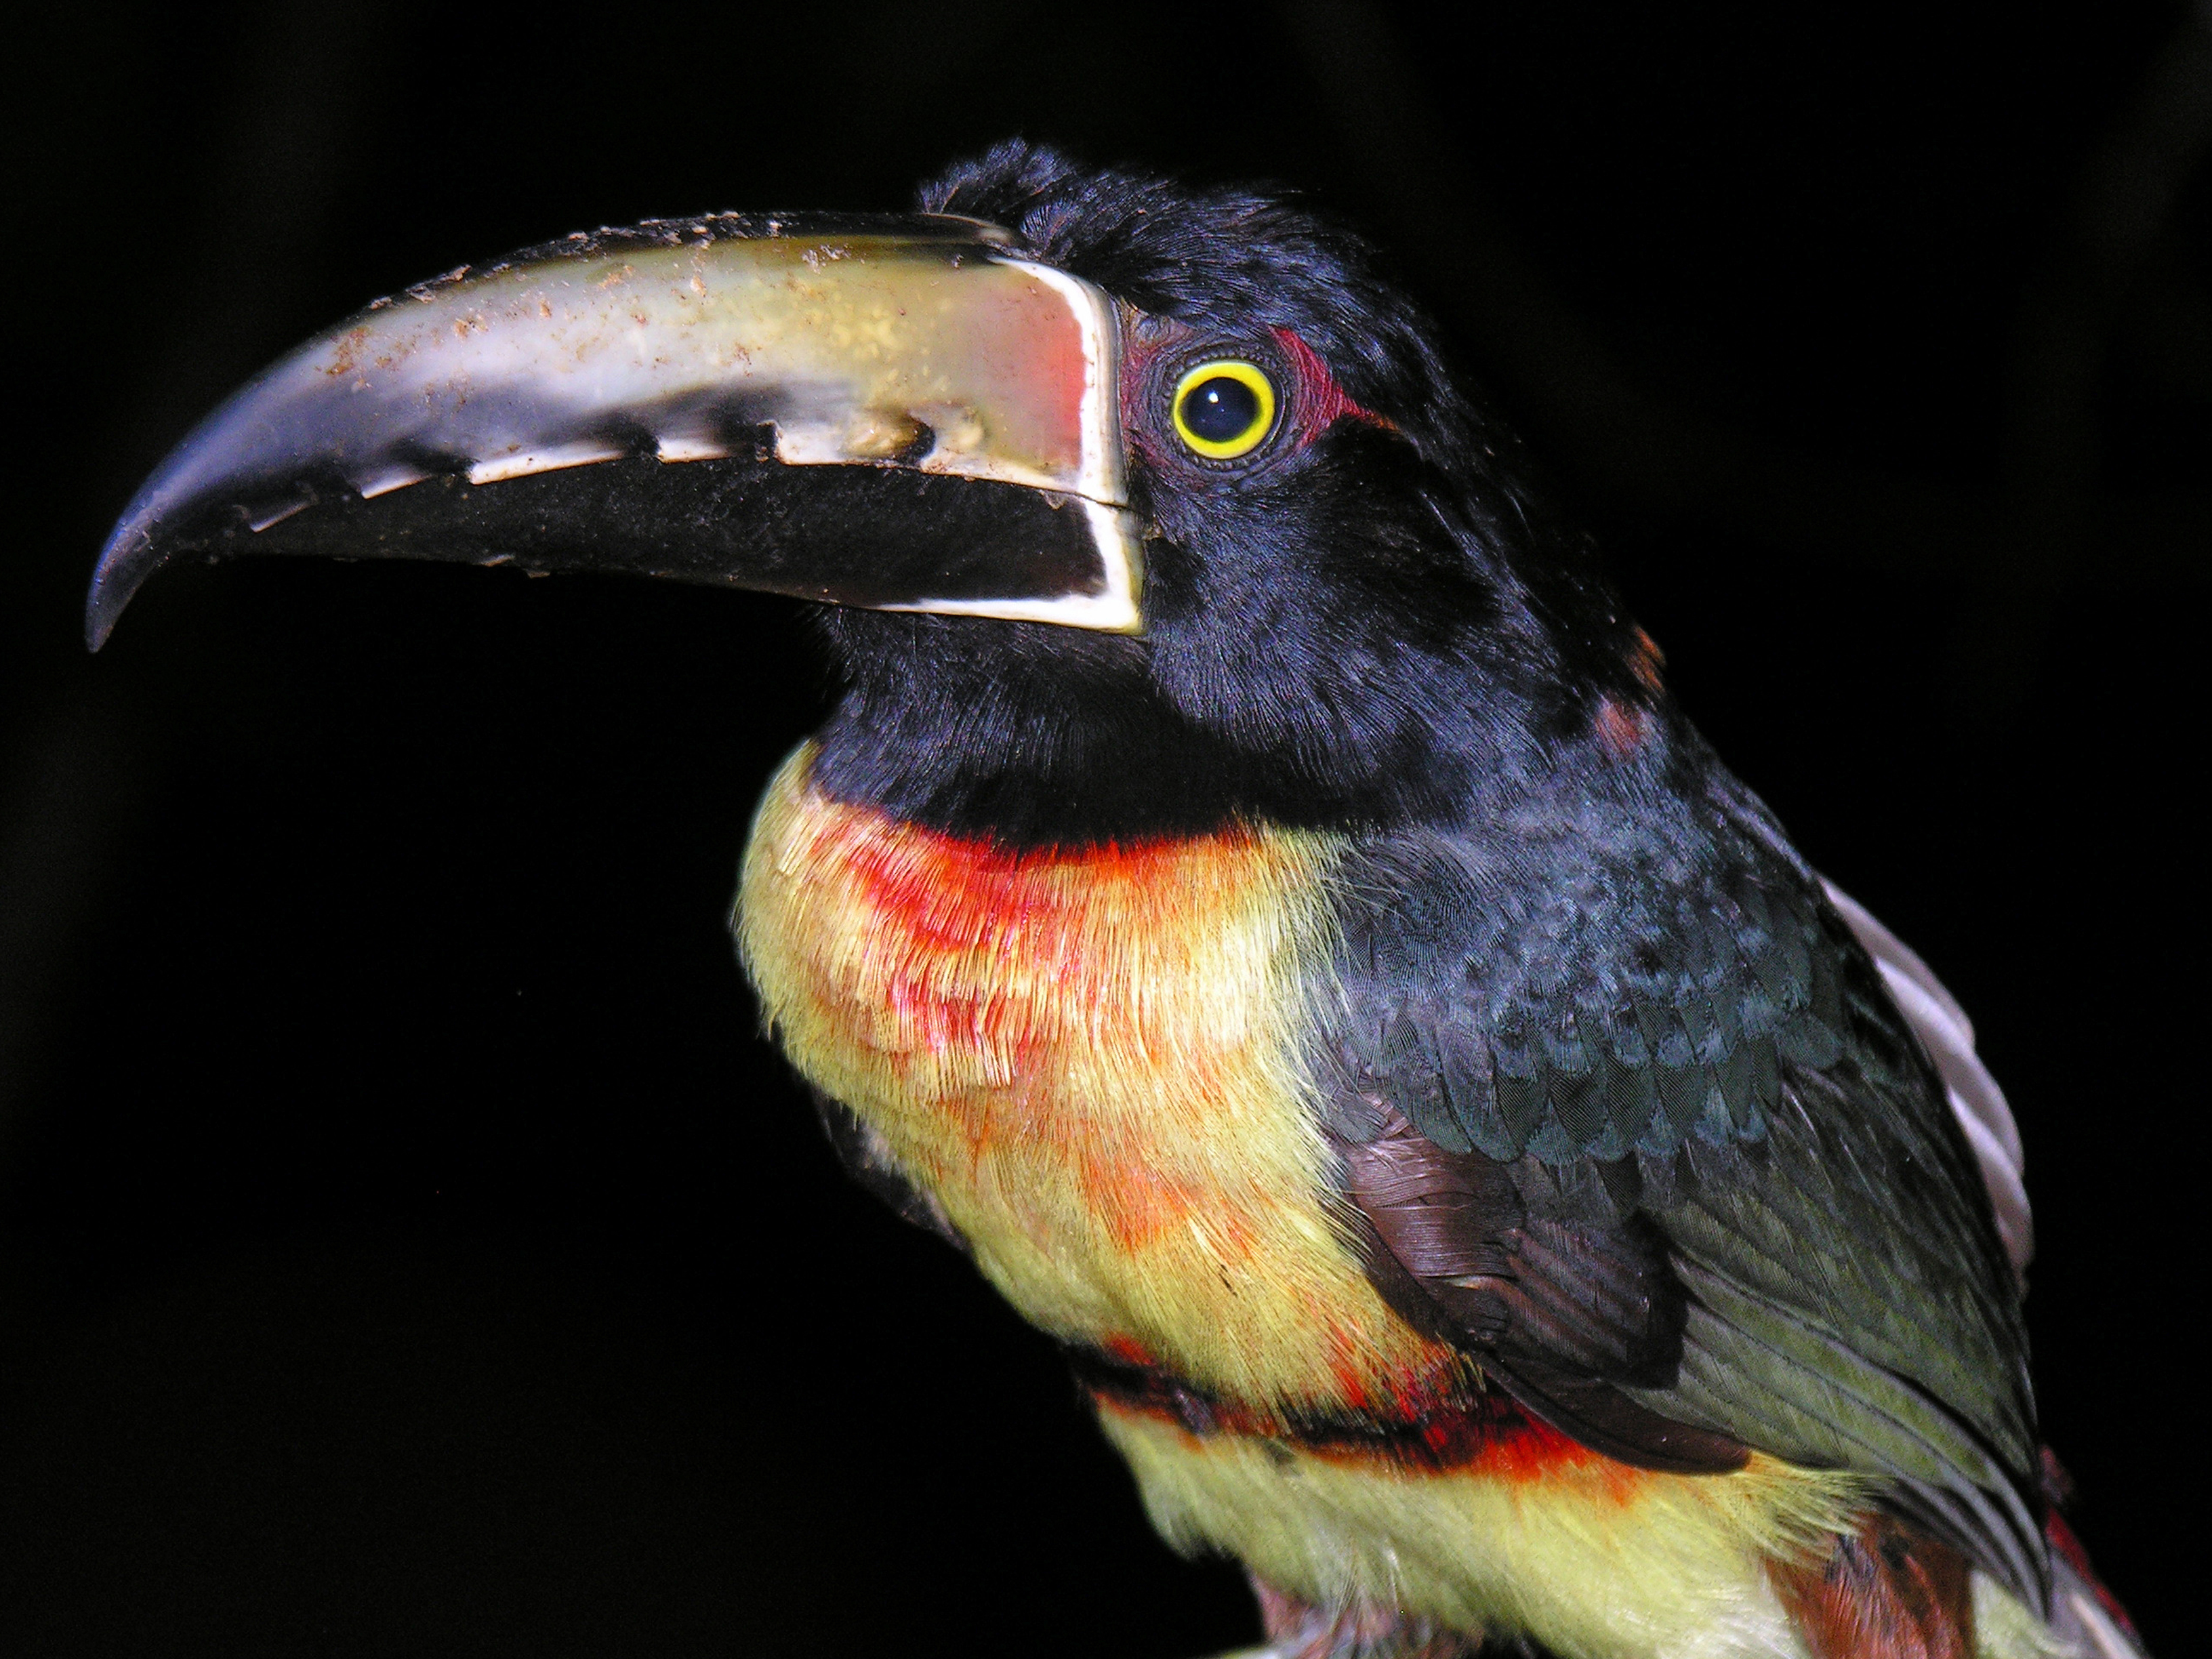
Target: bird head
[[1132, 508]]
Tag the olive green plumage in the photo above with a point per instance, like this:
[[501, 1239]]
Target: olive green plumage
[[1630, 997]]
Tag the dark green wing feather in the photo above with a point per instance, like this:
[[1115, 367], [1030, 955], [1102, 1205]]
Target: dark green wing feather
[[1705, 1179]]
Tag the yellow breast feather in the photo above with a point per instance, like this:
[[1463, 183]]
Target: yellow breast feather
[[1093, 1060]]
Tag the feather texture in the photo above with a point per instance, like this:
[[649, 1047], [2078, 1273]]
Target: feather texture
[[1948, 1036], [1645, 1022]]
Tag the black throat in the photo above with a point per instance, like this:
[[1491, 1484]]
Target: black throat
[[1035, 736], [1045, 737]]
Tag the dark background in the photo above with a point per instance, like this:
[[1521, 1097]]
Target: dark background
[[405, 1245]]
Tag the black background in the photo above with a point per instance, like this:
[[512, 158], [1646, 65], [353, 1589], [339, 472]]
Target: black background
[[405, 1245]]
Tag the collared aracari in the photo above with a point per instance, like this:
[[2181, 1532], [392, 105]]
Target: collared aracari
[[1257, 898]]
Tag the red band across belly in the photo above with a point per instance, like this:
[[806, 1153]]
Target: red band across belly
[[1485, 1428]]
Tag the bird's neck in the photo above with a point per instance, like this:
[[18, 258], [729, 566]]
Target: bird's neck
[[1024, 780], [1056, 749]]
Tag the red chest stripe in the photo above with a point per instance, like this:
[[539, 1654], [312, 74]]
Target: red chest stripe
[[946, 899], [1483, 1432], [951, 894]]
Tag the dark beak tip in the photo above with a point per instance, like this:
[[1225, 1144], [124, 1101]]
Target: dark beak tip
[[99, 615], [99, 623], [125, 564]]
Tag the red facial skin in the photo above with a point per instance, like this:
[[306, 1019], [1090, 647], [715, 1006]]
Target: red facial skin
[[1320, 402], [1310, 405]]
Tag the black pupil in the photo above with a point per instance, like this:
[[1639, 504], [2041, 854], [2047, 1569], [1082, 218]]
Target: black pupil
[[1220, 411]]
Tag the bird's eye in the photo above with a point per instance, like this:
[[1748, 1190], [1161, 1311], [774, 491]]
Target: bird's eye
[[1224, 410]]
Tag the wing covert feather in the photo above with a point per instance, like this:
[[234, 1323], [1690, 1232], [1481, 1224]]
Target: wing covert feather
[[1620, 1089]]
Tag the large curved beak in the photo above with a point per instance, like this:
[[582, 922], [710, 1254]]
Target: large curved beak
[[897, 412]]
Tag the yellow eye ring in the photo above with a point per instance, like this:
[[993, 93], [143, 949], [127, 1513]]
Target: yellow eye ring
[[1224, 410]]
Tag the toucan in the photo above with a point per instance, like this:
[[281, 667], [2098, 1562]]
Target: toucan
[[1257, 897]]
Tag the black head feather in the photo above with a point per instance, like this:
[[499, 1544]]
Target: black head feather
[[1370, 621]]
